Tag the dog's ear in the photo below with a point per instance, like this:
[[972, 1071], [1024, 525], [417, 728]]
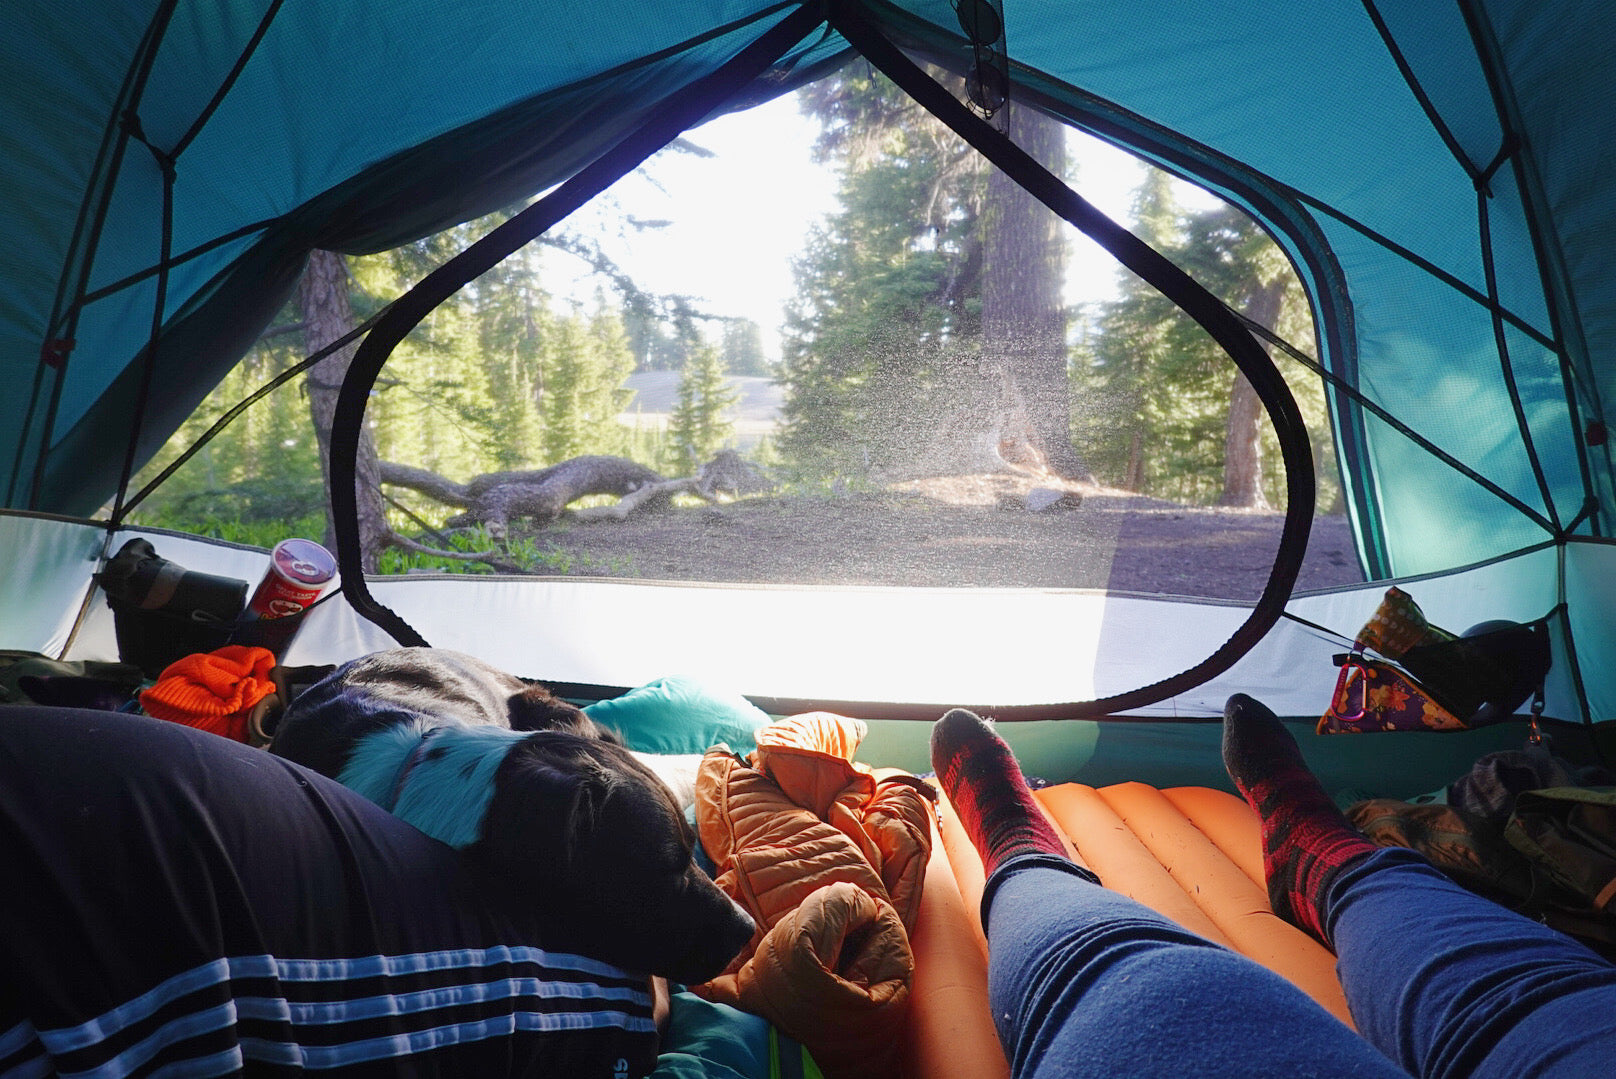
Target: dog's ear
[[536, 708], [596, 842]]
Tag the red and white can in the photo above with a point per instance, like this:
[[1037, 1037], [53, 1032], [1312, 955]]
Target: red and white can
[[299, 570]]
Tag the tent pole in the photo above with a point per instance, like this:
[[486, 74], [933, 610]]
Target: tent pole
[[1224, 326]]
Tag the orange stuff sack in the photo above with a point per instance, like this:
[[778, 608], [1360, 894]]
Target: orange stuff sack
[[213, 691]]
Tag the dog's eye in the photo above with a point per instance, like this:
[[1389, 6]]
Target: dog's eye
[[667, 858], [675, 857]]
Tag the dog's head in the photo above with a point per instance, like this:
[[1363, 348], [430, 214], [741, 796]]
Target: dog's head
[[596, 841]]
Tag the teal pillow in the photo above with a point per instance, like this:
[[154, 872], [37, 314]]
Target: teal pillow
[[680, 715]]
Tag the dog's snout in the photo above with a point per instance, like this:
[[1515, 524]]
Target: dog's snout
[[745, 918], [741, 929], [715, 929]]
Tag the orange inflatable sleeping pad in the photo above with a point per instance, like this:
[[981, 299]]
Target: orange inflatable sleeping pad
[[1192, 854], [950, 1026], [950, 1033], [1227, 822], [1109, 847], [966, 865], [1230, 898]]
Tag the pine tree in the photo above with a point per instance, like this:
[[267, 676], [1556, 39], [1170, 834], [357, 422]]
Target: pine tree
[[881, 331], [1179, 420], [698, 427], [514, 318], [1129, 342], [743, 348], [587, 359]]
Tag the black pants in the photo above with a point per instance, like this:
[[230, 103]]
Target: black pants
[[172, 899]]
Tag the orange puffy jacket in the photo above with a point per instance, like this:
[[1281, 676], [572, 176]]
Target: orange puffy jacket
[[829, 858]]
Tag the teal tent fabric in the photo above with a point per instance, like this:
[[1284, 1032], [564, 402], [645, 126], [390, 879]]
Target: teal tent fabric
[[338, 128], [1439, 170], [1362, 134]]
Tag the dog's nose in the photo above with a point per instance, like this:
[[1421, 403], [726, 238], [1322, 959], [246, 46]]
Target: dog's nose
[[721, 936], [737, 934], [743, 920]]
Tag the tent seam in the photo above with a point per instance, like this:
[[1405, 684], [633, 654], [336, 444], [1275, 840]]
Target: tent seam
[[62, 322], [229, 80], [1506, 364], [178, 260], [1549, 253], [1444, 132], [1359, 398]]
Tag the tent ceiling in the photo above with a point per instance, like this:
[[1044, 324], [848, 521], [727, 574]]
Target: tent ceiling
[[1359, 134]]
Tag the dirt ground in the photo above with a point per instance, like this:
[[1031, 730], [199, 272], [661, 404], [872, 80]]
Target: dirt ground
[[961, 531]]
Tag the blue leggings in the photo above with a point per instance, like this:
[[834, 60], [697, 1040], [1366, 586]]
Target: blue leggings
[[1441, 983]]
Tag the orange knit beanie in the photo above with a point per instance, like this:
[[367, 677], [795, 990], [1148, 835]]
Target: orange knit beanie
[[214, 691]]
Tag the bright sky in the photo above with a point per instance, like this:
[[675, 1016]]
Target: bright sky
[[738, 219]]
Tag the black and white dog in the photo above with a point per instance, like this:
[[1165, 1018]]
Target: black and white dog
[[517, 777]]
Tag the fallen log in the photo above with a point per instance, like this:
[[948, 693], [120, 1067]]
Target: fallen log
[[540, 495], [651, 492]]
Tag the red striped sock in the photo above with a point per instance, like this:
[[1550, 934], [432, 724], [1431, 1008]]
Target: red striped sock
[[982, 780], [1305, 838]]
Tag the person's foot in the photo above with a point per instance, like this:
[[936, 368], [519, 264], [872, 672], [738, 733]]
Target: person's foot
[[982, 780], [1305, 838]]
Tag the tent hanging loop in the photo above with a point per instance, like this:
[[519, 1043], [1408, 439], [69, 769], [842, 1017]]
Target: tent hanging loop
[[54, 352], [165, 250]]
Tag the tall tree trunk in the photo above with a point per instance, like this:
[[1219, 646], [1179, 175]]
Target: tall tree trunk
[[1134, 477], [1242, 450], [1023, 316], [322, 295], [984, 428]]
